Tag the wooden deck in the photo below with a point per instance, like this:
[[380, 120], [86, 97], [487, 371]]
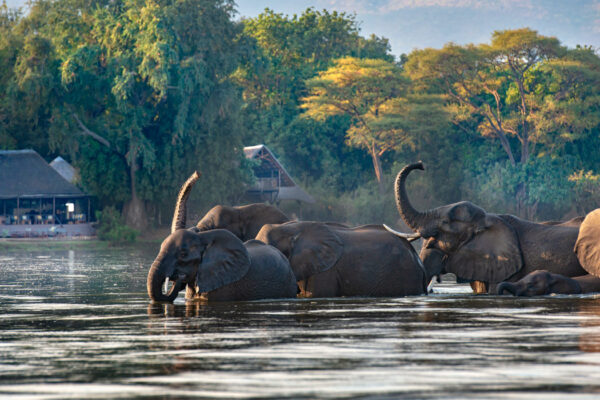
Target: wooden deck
[[47, 230]]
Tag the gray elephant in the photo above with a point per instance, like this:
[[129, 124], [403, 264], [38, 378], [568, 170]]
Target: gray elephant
[[478, 246], [542, 282], [243, 221], [587, 249], [575, 222], [331, 260], [216, 265]]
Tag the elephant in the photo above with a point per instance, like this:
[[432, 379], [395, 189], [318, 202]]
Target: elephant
[[332, 260], [587, 250], [587, 246], [542, 282], [576, 222], [243, 221], [217, 265], [478, 246]]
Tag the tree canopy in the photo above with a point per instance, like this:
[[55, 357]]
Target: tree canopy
[[139, 93]]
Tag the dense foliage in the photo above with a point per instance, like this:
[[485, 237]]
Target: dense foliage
[[139, 93]]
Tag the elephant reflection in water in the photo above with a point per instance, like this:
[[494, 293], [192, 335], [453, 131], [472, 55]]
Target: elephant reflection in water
[[589, 340], [475, 245]]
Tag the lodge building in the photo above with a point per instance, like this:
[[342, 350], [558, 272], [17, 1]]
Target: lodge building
[[272, 181], [36, 200]]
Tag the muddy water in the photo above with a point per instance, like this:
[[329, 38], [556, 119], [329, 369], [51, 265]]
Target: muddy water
[[78, 324]]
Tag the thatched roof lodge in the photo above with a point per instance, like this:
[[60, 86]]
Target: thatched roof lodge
[[273, 183], [35, 200]]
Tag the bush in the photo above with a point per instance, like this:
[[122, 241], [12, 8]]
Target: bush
[[112, 228]]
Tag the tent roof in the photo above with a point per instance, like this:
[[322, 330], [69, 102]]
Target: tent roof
[[24, 173], [65, 169]]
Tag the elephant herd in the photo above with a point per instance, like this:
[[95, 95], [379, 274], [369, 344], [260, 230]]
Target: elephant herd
[[256, 252]]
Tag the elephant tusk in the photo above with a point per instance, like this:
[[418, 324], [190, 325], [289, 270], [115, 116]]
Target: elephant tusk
[[430, 286], [408, 236], [166, 285]]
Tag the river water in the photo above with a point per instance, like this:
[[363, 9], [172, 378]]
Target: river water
[[78, 324]]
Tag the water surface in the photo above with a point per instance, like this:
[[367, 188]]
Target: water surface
[[78, 324]]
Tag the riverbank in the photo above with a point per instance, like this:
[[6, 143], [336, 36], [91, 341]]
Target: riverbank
[[151, 238]]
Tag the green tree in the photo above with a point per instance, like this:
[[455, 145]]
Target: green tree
[[522, 89], [146, 94], [369, 91]]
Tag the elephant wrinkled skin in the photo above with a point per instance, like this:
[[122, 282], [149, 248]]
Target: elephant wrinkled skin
[[587, 249], [216, 265], [331, 260], [243, 221], [475, 245]]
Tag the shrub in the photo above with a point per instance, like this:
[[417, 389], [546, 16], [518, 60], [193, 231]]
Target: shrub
[[112, 228]]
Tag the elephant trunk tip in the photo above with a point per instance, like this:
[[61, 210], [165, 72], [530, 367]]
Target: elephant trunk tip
[[413, 218], [506, 287], [416, 165]]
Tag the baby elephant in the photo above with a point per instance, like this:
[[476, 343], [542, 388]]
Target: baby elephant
[[216, 265], [542, 282]]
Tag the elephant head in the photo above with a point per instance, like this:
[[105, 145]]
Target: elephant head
[[311, 247], [461, 238], [242, 221], [539, 283], [202, 260], [587, 246]]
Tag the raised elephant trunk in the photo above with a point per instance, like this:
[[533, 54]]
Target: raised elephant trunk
[[156, 280], [413, 218], [157, 274], [507, 287], [179, 218]]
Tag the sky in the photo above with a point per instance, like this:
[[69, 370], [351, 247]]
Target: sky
[[411, 24], [417, 24]]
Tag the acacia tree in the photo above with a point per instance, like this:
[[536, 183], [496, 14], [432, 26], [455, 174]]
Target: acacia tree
[[368, 90], [517, 90]]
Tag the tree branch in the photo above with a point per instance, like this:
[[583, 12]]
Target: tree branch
[[88, 132]]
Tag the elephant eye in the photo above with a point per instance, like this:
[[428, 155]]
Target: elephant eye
[[183, 254]]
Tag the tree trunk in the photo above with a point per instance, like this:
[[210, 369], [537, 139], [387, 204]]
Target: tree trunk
[[377, 167], [134, 210]]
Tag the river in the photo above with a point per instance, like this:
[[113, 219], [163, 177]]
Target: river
[[79, 324]]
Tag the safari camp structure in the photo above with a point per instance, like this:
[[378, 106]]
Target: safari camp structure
[[37, 201], [273, 183]]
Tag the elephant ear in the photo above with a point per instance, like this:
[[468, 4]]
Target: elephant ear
[[225, 260], [587, 246], [492, 255], [316, 248]]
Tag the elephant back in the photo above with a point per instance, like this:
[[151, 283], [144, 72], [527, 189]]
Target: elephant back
[[587, 246]]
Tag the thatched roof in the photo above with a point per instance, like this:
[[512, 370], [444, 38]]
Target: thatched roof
[[287, 190], [24, 173], [65, 169]]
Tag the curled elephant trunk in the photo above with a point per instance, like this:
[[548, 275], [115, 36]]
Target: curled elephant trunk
[[179, 217], [507, 287], [413, 218], [155, 282]]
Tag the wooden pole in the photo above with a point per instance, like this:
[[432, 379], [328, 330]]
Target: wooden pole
[[88, 218], [18, 212], [54, 211]]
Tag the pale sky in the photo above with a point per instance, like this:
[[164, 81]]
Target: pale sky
[[410, 24]]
